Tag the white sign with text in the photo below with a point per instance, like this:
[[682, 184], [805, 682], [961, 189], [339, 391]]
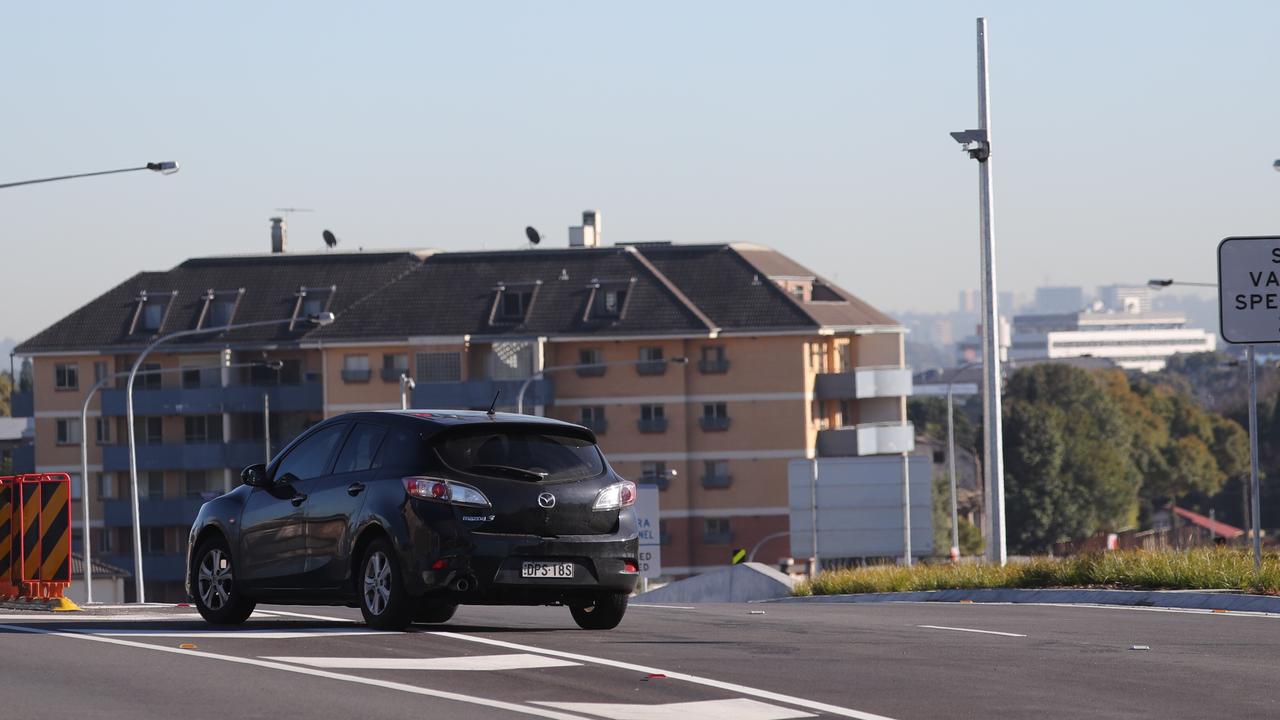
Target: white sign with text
[[1249, 289], [647, 522]]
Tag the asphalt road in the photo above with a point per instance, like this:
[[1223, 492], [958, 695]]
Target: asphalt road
[[726, 662]]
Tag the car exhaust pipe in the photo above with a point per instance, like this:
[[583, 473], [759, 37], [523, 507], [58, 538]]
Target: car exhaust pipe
[[462, 584]]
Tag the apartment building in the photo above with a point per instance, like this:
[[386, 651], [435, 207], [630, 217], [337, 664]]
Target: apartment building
[[1133, 340], [781, 364]]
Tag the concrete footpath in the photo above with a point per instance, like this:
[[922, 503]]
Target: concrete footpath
[[1185, 599]]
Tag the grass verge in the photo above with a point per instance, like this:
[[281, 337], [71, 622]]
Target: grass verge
[[1197, 569]]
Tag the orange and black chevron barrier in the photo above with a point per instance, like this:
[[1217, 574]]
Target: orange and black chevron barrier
[[35, 536]]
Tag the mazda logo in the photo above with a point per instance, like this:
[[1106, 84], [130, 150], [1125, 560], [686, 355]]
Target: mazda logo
[[547, 500]]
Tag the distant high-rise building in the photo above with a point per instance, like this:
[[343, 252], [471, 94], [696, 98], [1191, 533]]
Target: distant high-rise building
[[1125, 298], [1132, 340], [1061, 299]]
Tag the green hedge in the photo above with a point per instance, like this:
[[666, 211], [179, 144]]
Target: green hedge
[[1205, 568]]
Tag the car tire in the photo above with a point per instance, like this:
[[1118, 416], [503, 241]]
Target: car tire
[[604, 613], [216, 596], [434, 612], [383, 601]]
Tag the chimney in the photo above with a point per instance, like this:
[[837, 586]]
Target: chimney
[[278, 233], [588, 233]]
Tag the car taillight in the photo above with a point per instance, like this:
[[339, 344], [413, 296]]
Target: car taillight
[[616, 496], [630, 566], [447, 491]]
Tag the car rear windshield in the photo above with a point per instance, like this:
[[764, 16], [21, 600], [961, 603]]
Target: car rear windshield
[[520, 454]]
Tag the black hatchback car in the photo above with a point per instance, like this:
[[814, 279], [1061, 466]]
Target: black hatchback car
[[408, 514]]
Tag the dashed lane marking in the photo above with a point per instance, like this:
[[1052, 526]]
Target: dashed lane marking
[[236, 634], [511, 661], [735, 709], [550, 713], [664, 607], [970, 630]]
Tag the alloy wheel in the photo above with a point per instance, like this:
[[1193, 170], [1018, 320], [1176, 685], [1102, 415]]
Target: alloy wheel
[[377, 583], [214, 580]]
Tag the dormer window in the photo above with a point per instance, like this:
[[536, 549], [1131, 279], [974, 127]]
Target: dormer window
[[511, 302], [311, 302], [608, 299], [149, 316], [219, 308]]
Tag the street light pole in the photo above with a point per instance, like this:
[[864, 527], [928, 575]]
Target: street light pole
[[524, 386], [164, 168], [406, 384], [320, 319]]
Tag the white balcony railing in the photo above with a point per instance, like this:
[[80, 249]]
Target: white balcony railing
[[864, 382], [867, 439]]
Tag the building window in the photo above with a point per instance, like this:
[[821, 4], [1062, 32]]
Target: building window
[[653, 419], [68, 432], [148, 377], [66, 376], [106, 486], [612, 301], [715, 474], [220, 307], [713, 360], [199, 377], [439, 367], [394, 365], [716, 531], [651, 361], [196, 483], [591, 361], [818, 415], [846, 416], [715, 417], [355, 368], [655, 473], [203, 428], [150, 430], [511, 305], [99, 370], [311, 302], [593, 418], [155, 485], [77, 486], [152, 315], [102, 430], [153, 540], [102, 540], [818, 356]]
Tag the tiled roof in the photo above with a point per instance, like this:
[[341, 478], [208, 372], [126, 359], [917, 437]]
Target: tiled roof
[[669, 289], [100, 569]]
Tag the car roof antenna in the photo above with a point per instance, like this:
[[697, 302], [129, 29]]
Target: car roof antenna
[[494, 404]]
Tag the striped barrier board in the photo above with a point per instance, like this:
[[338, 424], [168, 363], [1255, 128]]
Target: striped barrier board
[[6, 540], [55, 530], [35, 535], [29, 531]]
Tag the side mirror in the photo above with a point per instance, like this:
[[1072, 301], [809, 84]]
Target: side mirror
[[254, 475]]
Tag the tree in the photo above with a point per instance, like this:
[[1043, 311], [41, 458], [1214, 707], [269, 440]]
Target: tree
[[6, 392]]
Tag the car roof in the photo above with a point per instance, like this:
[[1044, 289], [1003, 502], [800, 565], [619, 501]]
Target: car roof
[[441, 419]]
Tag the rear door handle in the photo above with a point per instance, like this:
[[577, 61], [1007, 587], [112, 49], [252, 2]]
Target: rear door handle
[[355, 488], [298, 499]]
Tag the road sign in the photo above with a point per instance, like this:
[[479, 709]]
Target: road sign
[[650, 538], [1249, 289]]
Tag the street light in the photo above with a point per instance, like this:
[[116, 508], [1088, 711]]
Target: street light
[[168, 167], [320, 319], [84, 456], [539, 375], [1160, 284], [951, 460]]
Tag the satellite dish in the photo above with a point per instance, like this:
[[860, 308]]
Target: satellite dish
[[330, 239], [533, 235]]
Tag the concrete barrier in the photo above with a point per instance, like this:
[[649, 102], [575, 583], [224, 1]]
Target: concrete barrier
[[746, 582]]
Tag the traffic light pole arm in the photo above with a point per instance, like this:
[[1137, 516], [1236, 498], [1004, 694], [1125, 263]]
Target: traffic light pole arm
[[149, 166]]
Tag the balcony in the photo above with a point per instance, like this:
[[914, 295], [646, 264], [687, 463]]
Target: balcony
[[713, 367], [716, 482], [652, 425], [713, 424], [156, 567], [22, 404], [393, 374], [152, 512], [214, 400], [652, 367], [24, 459], [478, 394], [356, 376], [867, 439], [187, 456], [592, 371], [864, 382]]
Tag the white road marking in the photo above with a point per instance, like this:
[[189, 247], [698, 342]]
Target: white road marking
[[664, 607], [510, 661], [683, 677], [970, 630], [236, 634], [87, 617], [385, 684], [735, 709]]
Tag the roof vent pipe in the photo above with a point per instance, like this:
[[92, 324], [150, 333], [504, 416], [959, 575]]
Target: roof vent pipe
[[278, 233], [588, 233]]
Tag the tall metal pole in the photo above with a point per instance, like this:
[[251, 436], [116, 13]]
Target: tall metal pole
[[991, 422], [906, 510], [266, 426], [815, 566], [951, 471], [1253, 459]]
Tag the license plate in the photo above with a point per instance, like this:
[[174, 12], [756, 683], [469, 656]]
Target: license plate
[[546, 570]]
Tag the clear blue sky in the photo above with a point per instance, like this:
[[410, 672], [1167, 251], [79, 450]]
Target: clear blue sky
[[1129, 137]]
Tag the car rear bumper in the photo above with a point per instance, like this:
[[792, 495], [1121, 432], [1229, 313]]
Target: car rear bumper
[[485, 568]]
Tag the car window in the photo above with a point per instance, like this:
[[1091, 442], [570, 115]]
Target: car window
[[402, 448], [518, 453], [310, 458], [359, 449]]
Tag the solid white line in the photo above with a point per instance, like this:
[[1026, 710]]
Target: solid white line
[[664, 607], [970, 630], [735, 709], [510, 661], [237, 634], [693, 679], [429, 692]]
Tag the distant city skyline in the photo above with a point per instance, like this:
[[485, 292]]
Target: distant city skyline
[[1128, 147]]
